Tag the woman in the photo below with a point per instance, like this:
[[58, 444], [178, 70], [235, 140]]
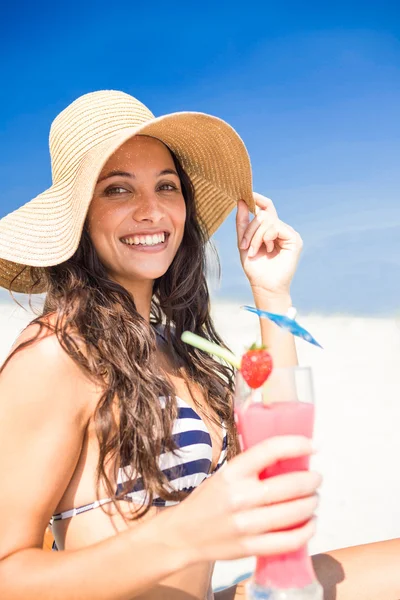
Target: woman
[[109, 425]]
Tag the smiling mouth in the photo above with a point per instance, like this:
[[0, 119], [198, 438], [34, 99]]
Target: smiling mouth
[[143, 241]]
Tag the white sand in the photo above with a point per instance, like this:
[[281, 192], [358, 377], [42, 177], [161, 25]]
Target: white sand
[[357, 386]]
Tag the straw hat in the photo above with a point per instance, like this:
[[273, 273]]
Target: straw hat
[[46, 231]]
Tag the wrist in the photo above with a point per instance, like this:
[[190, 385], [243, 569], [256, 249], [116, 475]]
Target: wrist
[[278, 302], [172, 533], [166, 541]]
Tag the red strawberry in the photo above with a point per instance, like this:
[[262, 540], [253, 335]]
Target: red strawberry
[[256, 366]]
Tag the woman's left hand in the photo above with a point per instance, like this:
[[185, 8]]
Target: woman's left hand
[[269, 249]]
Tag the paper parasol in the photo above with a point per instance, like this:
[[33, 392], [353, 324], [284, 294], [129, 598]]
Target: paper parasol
[[285, 322]]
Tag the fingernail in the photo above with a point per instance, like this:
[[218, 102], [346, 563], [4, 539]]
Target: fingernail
[[243, 244], [252, 251]]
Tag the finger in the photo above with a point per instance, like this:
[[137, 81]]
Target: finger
[[266, 453], [242, 220], [288, 237], [269, 245], [267, 232], [286, 232], [280, 542], [259, 219], [298, 484], [264, 203], [280, 488], [276, 517], [279, 233]]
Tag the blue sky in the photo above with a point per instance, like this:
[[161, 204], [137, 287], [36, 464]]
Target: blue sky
[[312, 88]]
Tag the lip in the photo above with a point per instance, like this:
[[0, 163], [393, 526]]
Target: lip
[[145, 232]]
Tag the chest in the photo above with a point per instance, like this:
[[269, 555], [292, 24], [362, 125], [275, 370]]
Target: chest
[[191, 404]]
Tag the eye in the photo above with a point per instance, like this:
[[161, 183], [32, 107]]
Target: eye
[[115, 190], [168, 187]]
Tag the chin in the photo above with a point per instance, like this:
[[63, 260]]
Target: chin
[[148, 275]]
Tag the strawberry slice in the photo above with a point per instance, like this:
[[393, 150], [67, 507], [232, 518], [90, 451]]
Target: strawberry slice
[[256, 366]]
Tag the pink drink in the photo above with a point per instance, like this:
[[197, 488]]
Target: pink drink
[[255, 423]]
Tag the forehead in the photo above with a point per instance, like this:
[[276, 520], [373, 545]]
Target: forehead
[[140, 152]]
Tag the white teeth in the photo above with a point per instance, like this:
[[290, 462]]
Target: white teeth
[[144, 240]]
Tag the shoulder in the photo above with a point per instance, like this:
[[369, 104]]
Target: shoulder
[[38, 366], [37, 345]]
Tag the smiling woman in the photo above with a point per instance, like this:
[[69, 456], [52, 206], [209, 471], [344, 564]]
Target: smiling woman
[[128, 427]]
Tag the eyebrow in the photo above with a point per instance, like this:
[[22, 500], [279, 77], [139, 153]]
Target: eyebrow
[[132, 175]]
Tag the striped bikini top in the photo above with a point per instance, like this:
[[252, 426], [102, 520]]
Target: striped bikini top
[[185, 468]]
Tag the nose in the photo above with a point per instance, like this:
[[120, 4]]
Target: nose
[[147, 207]]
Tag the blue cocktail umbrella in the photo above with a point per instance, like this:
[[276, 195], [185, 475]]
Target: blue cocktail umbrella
[[285, 322]]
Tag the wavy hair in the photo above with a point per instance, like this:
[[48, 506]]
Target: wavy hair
[[98, 325]]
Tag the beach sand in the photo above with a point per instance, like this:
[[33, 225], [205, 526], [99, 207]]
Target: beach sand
[[357, 390]]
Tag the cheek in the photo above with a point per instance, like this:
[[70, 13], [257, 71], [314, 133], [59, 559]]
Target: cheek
[[180, 218], [101, 222], [102, 219]]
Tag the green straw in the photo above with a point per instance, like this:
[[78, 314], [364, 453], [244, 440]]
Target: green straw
[[199, 342]]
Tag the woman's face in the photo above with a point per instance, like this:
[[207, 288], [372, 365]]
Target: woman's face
[[137, 215]]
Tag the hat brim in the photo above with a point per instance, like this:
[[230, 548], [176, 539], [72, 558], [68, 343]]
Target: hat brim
[[46, 231]]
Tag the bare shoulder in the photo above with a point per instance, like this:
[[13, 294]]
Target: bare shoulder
[[38, 365], [46, 403]]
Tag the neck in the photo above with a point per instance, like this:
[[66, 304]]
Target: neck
[[141, 292]]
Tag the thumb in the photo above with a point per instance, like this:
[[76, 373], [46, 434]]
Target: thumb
[[242, 220]]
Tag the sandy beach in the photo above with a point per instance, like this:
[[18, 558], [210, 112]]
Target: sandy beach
[[357, 389]]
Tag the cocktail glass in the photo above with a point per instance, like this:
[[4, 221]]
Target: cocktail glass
[[284, 405]]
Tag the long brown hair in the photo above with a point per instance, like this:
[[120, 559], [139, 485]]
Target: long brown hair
[[120, 352]]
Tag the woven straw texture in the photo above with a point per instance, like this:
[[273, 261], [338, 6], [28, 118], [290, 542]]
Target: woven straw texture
[[46, 231]]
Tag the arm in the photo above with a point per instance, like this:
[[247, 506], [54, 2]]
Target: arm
[[269, 251], [99, 571], [370, 572], [279, 343]]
